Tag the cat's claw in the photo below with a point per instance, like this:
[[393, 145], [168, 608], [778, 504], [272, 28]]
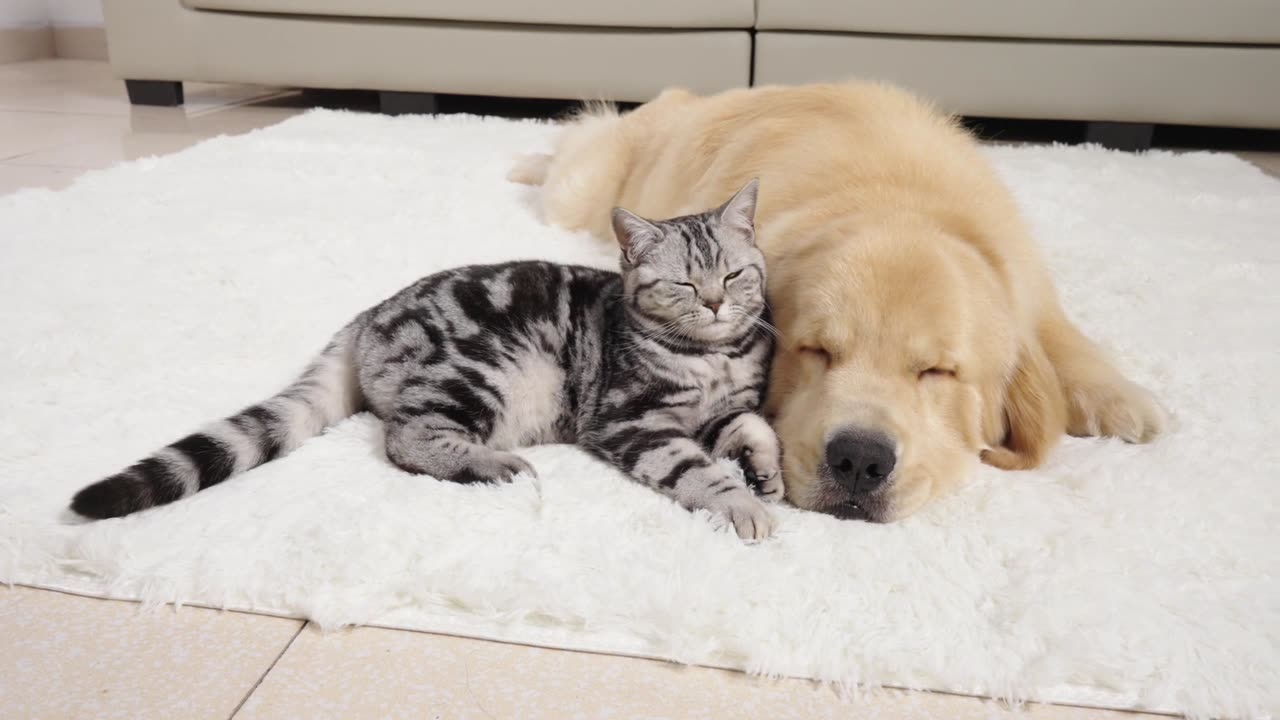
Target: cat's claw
[[495, 467], [762, 474], [516, 465]]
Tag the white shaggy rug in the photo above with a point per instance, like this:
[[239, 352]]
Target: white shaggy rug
[[149, 298]]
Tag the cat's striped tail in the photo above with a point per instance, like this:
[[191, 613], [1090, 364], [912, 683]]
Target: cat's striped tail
[[326, 392]]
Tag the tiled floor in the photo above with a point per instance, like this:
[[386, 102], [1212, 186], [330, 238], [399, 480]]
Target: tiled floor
[[59, 118], [63, 656]]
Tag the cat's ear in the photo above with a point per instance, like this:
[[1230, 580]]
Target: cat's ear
[[636, 236], [740, 212]]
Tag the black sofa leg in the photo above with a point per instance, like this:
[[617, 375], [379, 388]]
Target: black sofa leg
[[1120, 136], [154, 92], [407, 103]]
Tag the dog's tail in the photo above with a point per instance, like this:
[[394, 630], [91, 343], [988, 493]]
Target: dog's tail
[[326, 392], [532, 168], [582, 179]]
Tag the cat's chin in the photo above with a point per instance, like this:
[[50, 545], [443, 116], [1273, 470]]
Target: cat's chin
[[718, 331]]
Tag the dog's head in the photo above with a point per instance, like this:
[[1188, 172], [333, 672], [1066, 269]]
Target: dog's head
[[901, 361]]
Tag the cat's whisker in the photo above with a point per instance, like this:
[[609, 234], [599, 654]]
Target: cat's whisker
[[661, 332], [671, 328], [768, 327], [759, 322], [647, 332]]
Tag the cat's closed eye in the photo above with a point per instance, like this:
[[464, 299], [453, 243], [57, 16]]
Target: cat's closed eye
[[731, 276], [683, 284]]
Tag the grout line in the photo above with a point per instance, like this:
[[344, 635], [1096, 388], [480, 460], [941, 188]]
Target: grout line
[[17, 159], [55, 111], [267, 672], [16, 163], [248, 102], [203, 107], [94, 135], [23, 153]]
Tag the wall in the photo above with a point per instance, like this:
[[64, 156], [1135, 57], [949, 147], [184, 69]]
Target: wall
[[75, 13], [37, 29], [24, 13], [61, 13]]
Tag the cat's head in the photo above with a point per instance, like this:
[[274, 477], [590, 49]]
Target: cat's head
[[698, 277]]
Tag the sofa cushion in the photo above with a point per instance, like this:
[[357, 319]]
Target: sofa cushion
[[1220, 21], [1125, 82], [649, 14]]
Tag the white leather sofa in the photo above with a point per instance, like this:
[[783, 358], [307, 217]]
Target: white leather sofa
[[1198, 62], [1131, 61], [557, 49]]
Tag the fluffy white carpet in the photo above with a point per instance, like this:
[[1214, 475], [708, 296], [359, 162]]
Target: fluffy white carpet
[[151, 297]]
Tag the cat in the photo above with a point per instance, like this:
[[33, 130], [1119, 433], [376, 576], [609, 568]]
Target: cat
[[658, 370]]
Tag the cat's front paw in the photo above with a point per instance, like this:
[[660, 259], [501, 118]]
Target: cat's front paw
[[750, 441], [492, 466], [763, 473], [750, 518]]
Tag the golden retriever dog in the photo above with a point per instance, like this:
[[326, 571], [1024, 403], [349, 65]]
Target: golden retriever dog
[[920, 331]]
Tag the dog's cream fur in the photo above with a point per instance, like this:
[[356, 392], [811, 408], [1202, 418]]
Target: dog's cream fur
[[910, 297]]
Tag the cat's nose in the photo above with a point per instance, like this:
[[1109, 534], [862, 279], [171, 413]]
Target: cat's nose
[[714, 307]]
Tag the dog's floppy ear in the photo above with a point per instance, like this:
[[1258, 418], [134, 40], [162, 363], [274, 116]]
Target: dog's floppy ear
[[1035, 412]]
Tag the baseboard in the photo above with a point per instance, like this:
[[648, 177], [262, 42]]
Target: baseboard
[[20, 44], [80, 43]]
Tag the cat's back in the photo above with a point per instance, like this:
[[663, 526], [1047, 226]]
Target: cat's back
[[495, 296], [484, 314], [516, 335]]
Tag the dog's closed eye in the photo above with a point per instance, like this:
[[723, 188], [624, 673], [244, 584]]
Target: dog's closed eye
[[816, 352], [937, 373]]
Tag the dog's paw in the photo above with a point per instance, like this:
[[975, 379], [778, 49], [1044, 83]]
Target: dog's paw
[[750, 518], [1119, 408]]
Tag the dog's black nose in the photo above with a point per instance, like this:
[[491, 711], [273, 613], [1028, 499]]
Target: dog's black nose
[[860, 460]]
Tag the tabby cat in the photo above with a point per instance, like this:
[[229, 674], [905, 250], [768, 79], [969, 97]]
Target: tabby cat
[[657, 370]]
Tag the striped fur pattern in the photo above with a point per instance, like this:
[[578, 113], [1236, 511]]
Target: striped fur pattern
[[658, 370]]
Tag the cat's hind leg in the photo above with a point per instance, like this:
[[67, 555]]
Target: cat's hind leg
[[432, 443]]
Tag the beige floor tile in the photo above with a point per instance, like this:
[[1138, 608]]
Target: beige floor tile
[[91, 87], [1269, 162], [68, 113], [375, 673], [107, 150], [154, 132], [69, 657], [20, 177], [26, 132]]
